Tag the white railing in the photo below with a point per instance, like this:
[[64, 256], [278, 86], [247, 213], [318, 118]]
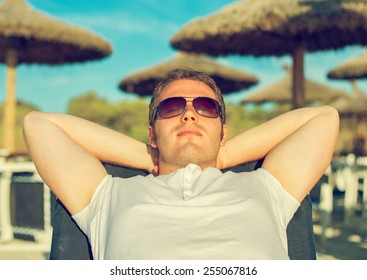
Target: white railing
[[346, 178], [7, 169]]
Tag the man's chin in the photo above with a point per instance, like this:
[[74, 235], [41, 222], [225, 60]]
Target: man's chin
[[190, 150], [191, 155]]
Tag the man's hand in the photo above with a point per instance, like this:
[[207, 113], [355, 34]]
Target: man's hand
[[154, 154]]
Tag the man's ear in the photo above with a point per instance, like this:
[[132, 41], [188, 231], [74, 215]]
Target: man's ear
[[151, 136], [224, 135]]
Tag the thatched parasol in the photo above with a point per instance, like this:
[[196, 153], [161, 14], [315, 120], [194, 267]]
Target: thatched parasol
[[353, 68], [281, 92], [228, 79], [28, 36], [353, 113], [278, 27], [355, 106]]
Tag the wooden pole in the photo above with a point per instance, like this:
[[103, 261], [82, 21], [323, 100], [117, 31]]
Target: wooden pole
[[298, 88], [9, 119]]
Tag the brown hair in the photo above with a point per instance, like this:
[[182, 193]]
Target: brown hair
[[181, 74]]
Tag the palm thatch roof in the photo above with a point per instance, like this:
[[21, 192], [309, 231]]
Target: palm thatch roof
[[355, 105], [274, 27], [353, 68], [45, 40], [277, 27], [281, 92], [29, 36], [228, 79]]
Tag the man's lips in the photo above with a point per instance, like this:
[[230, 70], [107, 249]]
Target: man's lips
[[187, 132]]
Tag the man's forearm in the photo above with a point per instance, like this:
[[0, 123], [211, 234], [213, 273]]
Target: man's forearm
[[257, 142], [105, 144]]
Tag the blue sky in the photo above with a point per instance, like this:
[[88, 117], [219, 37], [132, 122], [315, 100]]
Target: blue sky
[[139, 32]]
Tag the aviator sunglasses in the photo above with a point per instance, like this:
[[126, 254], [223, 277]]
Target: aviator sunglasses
[[174, 106]]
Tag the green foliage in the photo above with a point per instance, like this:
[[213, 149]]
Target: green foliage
[[240, 118], [91, 107], [131, 118], [128, 117], [280, 109], [22, 109]]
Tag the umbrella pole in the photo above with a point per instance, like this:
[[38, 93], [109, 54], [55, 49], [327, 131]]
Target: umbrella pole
[[356, 90], [298, 95], [9, 120]]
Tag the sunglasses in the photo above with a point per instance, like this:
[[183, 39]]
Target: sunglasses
[[174, 106]]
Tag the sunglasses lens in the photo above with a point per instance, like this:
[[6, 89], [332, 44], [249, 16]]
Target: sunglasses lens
[[207, 107], [204, 106], [171, 107]]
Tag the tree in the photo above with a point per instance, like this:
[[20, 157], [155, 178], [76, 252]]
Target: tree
[[91, 107], [131, 118], [128, 117], [240, 118], [22, 109]]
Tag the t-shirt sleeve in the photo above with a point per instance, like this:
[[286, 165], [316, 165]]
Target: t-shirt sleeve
[[99, 200], [284, 204]]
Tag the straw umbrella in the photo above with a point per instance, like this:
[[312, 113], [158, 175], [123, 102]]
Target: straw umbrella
[[281, 92], [28, 36], [277, 27], [353, 113], [351, 69], [356, 107], [228, 79]]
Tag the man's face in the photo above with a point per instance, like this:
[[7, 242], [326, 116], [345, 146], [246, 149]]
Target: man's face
[[188, 137]]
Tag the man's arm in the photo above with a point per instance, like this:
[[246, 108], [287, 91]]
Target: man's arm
[[68, 151], [297, 147]]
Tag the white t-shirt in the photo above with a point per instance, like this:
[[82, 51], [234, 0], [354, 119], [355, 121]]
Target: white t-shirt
[[189, 214]]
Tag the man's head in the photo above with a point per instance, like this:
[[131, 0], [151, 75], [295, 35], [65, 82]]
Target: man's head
[[181, 74], [187, 120]]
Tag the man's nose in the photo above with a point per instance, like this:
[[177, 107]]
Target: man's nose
[[189, 115]]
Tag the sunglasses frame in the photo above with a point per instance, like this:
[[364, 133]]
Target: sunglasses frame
[[189, 99]]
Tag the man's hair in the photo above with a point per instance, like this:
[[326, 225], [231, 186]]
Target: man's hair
[[184, 74]]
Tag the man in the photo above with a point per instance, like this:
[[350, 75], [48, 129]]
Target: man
[[191, 210]]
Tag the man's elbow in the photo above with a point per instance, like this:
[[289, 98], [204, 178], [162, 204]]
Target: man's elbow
[[30, 118], [31, 122], [331, 123], [332, 116]]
